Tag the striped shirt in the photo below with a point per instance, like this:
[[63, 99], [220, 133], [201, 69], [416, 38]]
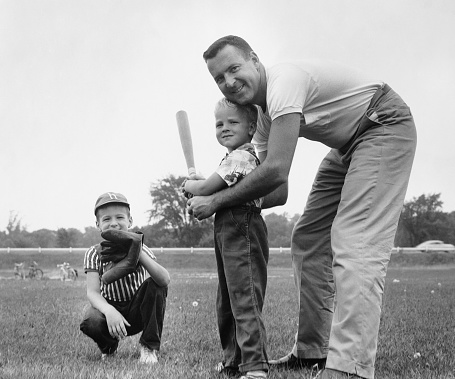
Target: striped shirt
[[122, 289]]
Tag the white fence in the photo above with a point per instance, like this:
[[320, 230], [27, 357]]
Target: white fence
[[29, 250], [168, 250], [197, 250], [425, 250]]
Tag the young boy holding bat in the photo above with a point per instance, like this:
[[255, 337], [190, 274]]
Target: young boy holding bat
[[126, 287], [241, 247]]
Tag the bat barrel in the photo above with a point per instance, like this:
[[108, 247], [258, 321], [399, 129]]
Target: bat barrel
[[186, 140]]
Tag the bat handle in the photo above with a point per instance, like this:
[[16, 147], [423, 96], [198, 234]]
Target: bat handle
[[191, 171]]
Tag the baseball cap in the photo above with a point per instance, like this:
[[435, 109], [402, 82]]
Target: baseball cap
[[111, 197]]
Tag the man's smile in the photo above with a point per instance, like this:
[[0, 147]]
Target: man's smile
[[238, 89]]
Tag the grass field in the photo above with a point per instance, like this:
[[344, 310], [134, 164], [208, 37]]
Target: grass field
[[40, 337]]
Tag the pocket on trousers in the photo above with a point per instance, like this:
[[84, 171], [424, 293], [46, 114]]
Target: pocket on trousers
[[391, 111], [239, 220]]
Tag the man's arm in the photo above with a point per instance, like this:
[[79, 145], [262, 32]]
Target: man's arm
[[276, 197], [212, 184], [267, 177]]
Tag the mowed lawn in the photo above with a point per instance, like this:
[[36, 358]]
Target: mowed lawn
[[40, 337]]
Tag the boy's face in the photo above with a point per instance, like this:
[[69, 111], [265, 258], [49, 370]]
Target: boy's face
[[113, 216], [232, 128]]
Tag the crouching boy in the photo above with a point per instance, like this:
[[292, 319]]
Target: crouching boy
[[126, 287]]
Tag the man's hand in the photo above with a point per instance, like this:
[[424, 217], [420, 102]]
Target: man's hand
[[116, 324], [202, 207]]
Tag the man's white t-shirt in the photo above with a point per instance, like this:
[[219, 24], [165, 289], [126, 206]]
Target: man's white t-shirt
[[330, 97]]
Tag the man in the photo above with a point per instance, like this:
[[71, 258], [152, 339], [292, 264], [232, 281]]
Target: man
[[342, 242]]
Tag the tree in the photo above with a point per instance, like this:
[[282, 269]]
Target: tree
[[5, 240], [91, 236], [16, 235], [14, 224], [170, 215], [422, 219], [156, 235], [43, 238], [451, 223], [70, 237], [279, 228]]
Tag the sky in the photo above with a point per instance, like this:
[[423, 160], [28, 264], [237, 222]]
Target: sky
[[89, 91]]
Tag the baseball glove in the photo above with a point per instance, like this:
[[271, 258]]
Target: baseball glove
[[121, 249]]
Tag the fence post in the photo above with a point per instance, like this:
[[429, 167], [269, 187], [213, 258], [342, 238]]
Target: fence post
[[281, 249], [71, 249], [39, 249], [9, 250], [192, 249], [162, 249]]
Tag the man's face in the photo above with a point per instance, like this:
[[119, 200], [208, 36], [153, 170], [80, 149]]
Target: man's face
[[237, 78], [114, 216]]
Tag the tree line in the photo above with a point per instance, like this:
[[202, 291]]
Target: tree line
[[170, 225]]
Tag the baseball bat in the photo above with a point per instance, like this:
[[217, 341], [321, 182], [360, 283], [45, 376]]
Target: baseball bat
[[186, 141]]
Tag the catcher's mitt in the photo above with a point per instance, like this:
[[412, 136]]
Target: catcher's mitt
[[121, 249]]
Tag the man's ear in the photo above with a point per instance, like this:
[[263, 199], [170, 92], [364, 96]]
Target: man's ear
[[255, 59]]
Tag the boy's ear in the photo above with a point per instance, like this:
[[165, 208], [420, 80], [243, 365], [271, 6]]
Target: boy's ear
[[130, 222], [98, 225], [252, 128]]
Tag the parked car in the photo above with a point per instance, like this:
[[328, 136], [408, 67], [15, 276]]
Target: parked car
[[435, 245]]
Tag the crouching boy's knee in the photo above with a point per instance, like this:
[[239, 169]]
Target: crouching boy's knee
[[93, 320], [155, 289]]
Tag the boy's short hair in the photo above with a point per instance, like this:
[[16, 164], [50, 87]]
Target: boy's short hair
[[111, 198], [220, 44], [249, 110]]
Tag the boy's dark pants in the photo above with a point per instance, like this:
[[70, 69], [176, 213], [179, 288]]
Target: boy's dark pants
[[242, 254], [145, 312]]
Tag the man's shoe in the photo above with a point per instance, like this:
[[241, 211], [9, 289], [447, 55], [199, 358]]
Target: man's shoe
[[221, 368], [329, 373], [290, 361], [148, 356]]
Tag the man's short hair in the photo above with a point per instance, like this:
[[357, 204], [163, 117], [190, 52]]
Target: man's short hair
[[230, 40], [249, 110]]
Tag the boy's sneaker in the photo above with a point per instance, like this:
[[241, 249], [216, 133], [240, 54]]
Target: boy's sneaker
[[148, 356], [106, 356], [110, 352], [258, 374]]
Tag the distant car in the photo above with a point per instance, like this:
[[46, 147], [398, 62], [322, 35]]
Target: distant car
[[435, 245]]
